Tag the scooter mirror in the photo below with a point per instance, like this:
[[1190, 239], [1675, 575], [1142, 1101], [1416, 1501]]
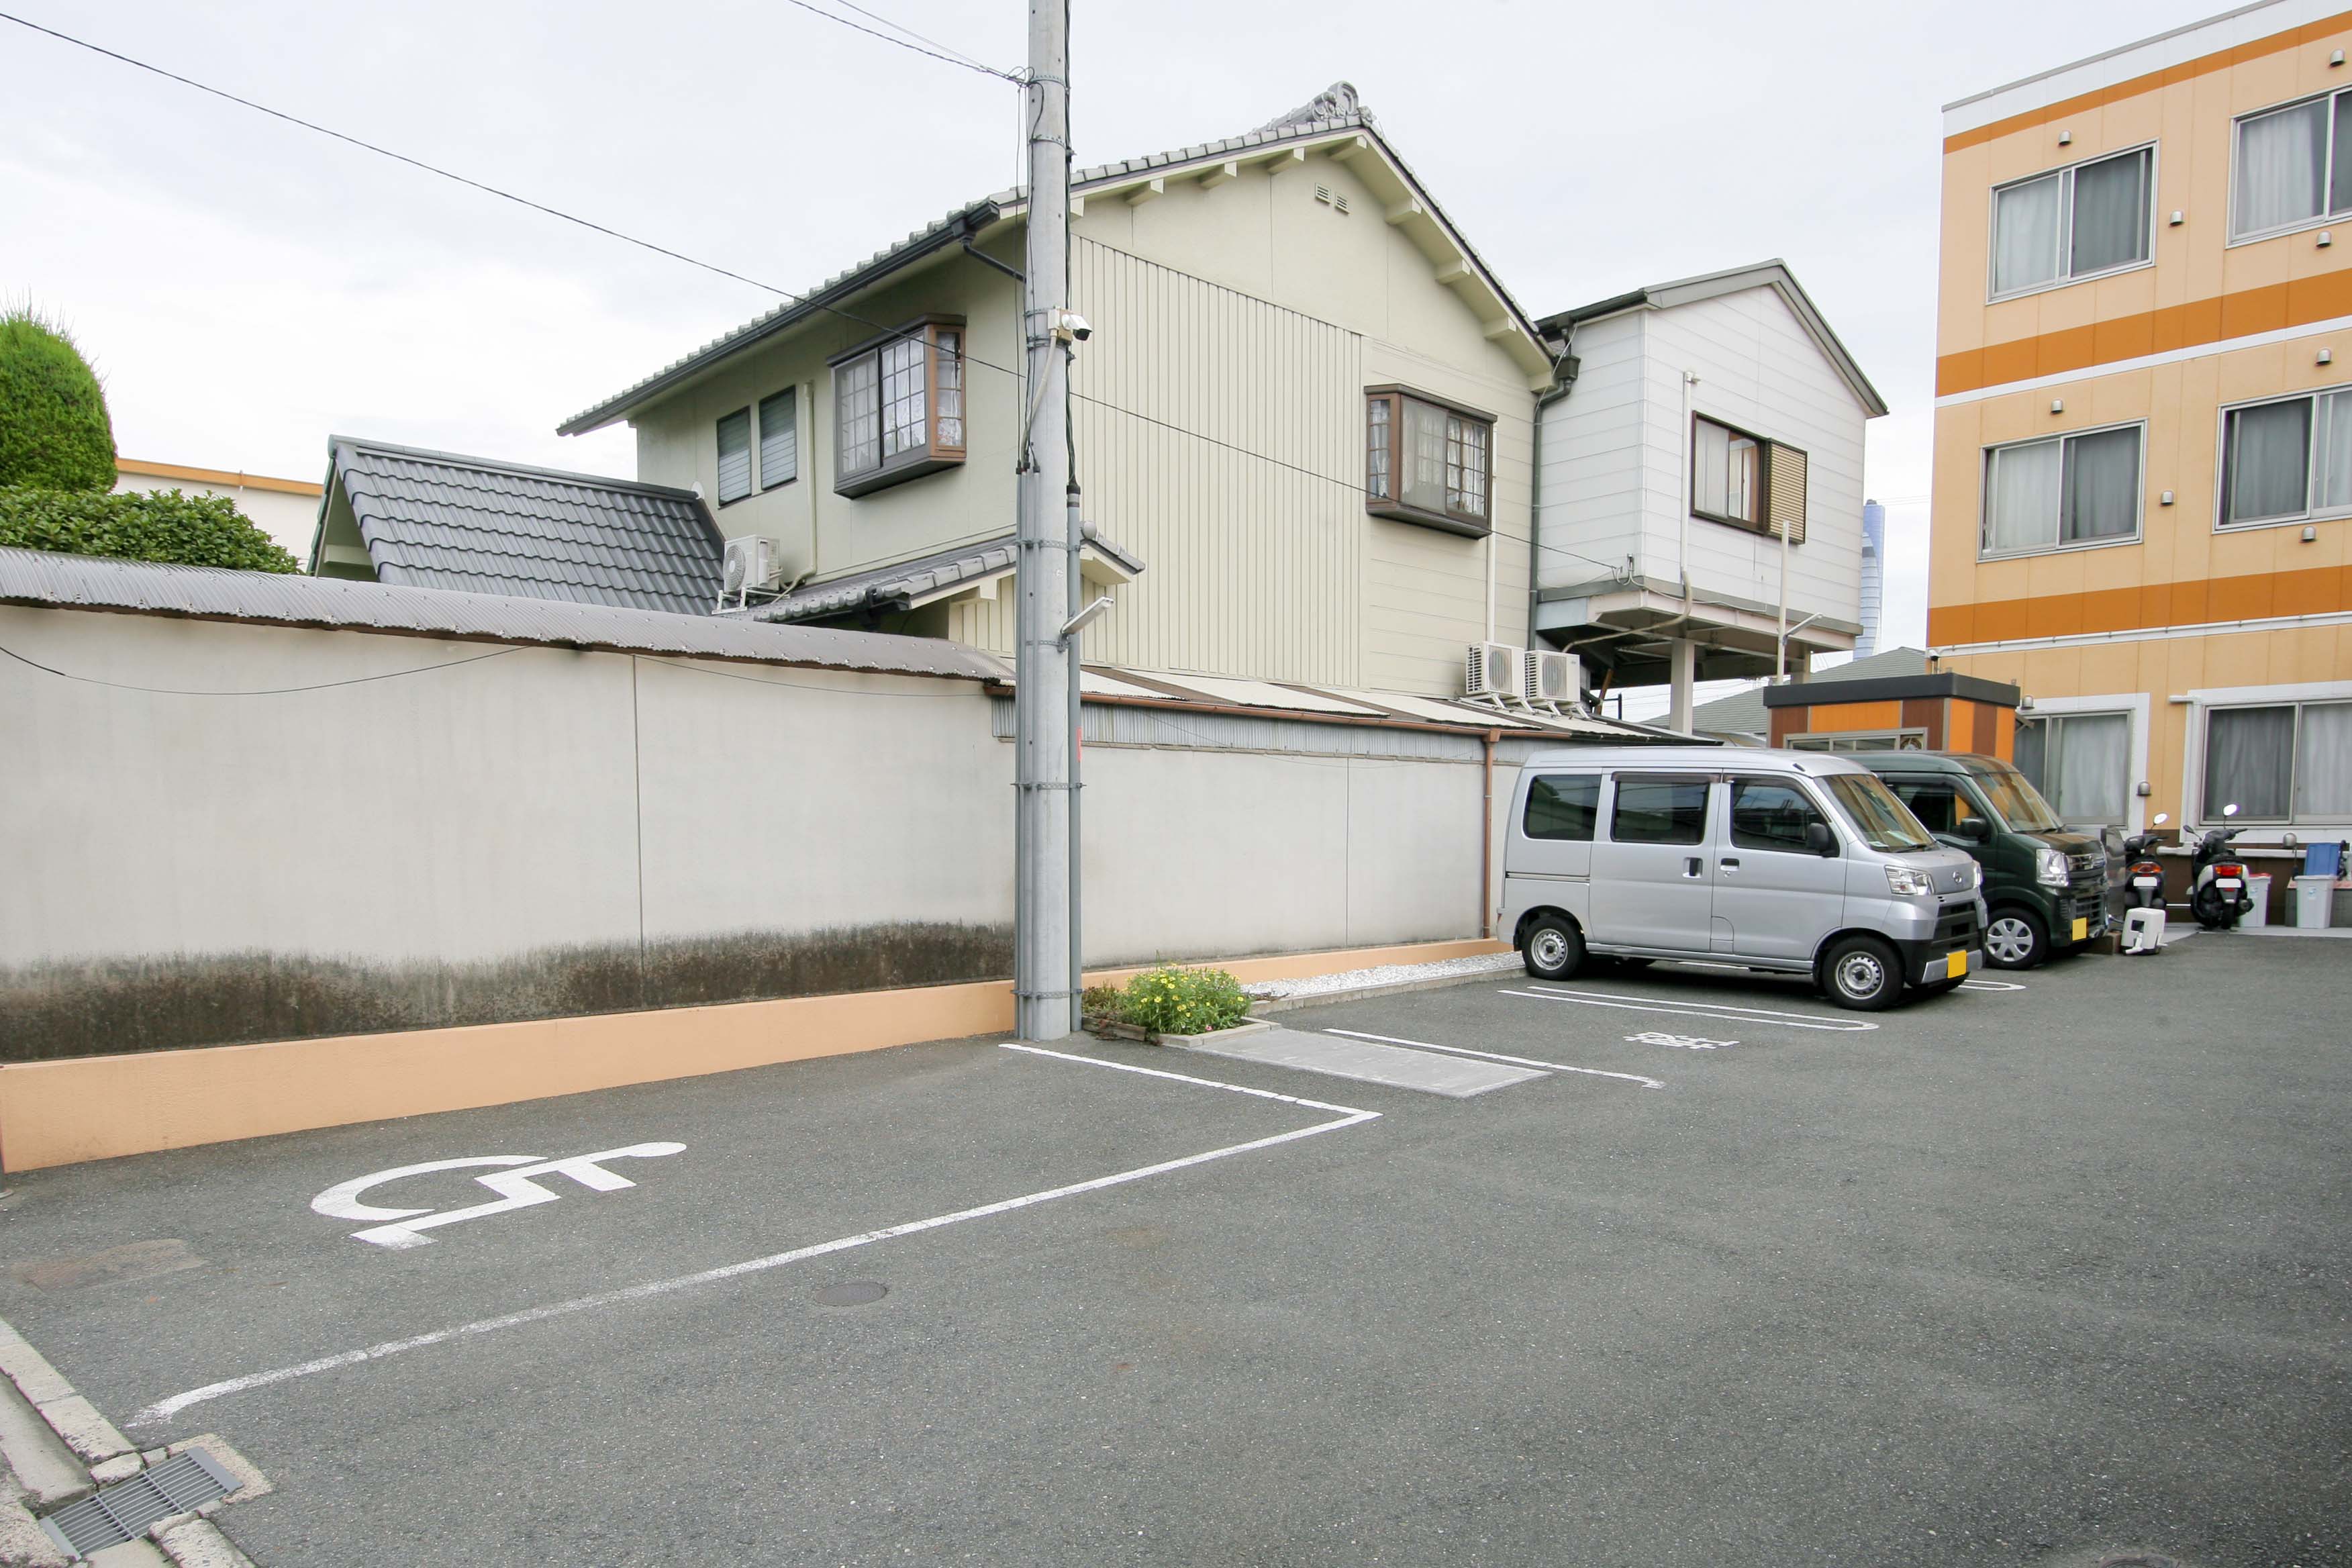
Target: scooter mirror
[[2230, 809], [2161, 818]]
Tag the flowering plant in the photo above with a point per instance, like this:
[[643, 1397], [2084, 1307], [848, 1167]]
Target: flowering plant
[[1168, 1000]]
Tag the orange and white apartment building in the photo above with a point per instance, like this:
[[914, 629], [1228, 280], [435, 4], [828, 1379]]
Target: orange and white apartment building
[[2143, 473]]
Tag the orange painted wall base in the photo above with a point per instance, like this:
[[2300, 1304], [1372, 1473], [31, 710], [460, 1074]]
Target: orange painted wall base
[[98, 1108]]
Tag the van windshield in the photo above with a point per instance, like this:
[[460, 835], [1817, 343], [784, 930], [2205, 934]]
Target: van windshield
[[1883, 822], [2019, 803]]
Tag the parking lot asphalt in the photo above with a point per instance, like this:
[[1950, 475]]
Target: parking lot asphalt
[[2029, 1276]]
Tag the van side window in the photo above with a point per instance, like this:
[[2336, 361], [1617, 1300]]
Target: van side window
[[1940, 806], [1659, 811], [1563, 805], [1767, 813]]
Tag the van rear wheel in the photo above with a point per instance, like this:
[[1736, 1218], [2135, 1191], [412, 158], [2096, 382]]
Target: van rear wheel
[[1554, 950], [1864, 973]]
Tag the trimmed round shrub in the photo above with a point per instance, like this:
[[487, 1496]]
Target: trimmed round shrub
[[141, 525], [55, 433]]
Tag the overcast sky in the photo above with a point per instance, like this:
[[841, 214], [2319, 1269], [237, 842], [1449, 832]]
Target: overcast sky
[[247, 287]]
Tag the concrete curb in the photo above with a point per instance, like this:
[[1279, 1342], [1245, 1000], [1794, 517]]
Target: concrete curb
[[1386, 988], [104, 1456]]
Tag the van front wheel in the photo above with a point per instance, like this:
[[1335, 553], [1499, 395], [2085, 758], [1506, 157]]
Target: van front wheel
[[1555, 948], [1864, 973]]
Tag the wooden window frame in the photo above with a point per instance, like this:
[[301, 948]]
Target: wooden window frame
[[1392, 506], [1765, 448], [934, 452]]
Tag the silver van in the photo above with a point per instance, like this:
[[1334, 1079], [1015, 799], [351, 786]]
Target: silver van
[[1799, 862]]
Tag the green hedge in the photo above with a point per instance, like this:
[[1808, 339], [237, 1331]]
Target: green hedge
[[140, 525], [54, 429]]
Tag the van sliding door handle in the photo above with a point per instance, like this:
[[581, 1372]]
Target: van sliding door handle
[[1729, 863], [1693, 865]]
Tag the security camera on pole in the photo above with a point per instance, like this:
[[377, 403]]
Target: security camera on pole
[[1044, 977]]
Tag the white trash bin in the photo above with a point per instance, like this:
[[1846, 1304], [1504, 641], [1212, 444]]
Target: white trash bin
[[2315, 902], [2257, 889], [2143, 932]]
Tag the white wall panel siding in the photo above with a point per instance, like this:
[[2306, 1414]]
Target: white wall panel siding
[[1615, 453], [1217, 435]]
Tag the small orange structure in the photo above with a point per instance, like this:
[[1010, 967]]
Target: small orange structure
[[1938, 711]]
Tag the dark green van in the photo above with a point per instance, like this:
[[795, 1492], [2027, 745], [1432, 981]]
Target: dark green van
[[2045, 888]]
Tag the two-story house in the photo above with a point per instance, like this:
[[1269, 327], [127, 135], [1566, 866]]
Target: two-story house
[[2142, 428], [1304, 420]]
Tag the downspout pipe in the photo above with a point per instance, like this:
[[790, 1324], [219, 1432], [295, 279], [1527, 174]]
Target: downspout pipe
[[1564, 370], [1487, 841]]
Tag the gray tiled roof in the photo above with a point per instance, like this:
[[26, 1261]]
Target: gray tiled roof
[[1742, 712], [436, 520], [215, 593], [896, 586], [1338, 101]]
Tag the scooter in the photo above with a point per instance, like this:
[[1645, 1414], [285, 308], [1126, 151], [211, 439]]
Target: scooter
[[2143, 875], [2217, 884]]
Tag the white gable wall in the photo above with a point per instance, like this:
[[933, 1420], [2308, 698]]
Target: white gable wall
[[1620, 445]]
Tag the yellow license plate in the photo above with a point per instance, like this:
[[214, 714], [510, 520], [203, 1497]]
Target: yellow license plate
[[1956, 965], [2082, 928]]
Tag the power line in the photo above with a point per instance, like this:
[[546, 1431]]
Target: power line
[[271, 692], [967, 62], [959, 54]]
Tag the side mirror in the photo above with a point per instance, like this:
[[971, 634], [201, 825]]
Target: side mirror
[[1819, 839], [1975, 829], [2230, 809], [2161, 818]]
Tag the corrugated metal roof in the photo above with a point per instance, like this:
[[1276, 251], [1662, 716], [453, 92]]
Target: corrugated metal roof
[[41, 577], [899, 586], [1345, 114], [438, 520]]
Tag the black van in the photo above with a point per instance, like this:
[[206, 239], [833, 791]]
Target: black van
[[2045, 888]]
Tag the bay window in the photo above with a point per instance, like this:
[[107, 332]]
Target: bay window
[[1427, 462], [899, 402], [2061, 491], [2079, 222], [2292, 166], [2282, 762], [2288, 459]]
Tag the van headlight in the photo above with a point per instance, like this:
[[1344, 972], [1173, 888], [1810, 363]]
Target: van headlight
[[1906, 883], [2049, 867]]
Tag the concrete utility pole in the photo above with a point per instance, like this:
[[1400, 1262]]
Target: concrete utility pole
[[1044, 978]]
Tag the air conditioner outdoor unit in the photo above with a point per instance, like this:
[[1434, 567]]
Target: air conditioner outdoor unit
[[1551, 679], [1492, 671], [750, 564]]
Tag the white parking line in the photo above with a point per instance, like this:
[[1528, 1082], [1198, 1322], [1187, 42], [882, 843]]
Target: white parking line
[[1347, 1116], [1990, 985], [1498, 1056], [1718, 1010]]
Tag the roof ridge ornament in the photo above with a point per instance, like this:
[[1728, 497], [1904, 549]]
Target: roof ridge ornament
[[1337, 102]]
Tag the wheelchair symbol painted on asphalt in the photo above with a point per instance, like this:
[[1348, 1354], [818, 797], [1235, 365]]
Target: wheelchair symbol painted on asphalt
[[1679, 1042], [515, 1187]]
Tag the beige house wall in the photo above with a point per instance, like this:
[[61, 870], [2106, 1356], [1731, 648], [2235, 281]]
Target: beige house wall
[[1219, 423]]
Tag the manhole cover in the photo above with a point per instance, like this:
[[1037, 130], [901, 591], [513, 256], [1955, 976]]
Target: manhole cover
[[852, 1293]]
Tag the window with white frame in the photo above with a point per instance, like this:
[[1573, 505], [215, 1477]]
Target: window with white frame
[[898, 406], [1426, 462], [1862, 741], [2288, 458], [2292, 166], [2073, 223], [2280, 762], [2063, 490], [2081, 764]]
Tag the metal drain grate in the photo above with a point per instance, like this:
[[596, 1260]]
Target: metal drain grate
[[115, 1514]]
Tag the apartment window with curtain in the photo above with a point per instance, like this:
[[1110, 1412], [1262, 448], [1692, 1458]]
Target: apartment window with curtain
[[1745, 481], [2080, 222], [2081, 763], [2292, 166], [2062, 491], [1427, 462], [780, 438], [2287, 459], [898, 404], [735, 456], [2281, 762]]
